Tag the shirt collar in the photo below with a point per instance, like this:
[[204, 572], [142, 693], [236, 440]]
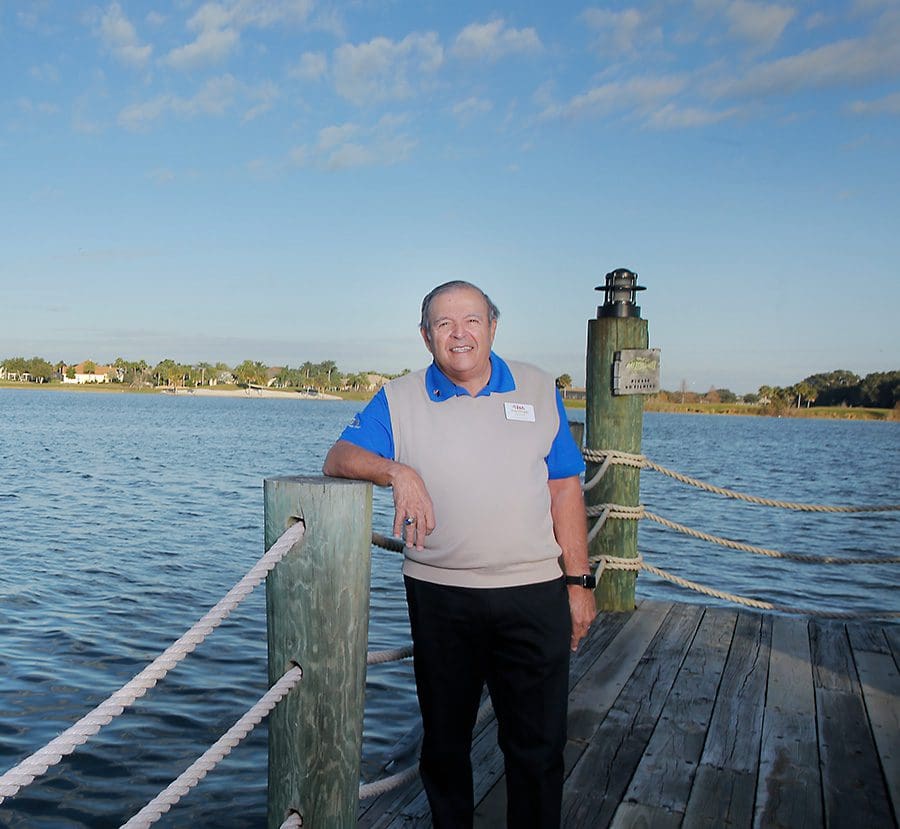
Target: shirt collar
[[440, 387]]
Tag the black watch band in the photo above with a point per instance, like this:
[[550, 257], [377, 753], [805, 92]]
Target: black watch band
[[587, 580]]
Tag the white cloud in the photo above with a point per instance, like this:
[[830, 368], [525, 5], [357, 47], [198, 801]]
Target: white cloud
[[760, 25], [137, 117], [345, 146], [888, 105], [383, 69], [310, 67], [835, 64], [216, 97], [162, 175], [120, 37], [46, 72], [633, 94], [671, 117], [330, 137], [211, 46], [263, 98], [493, 40], [41, 107], [219, 27], [470, 108], [621, 32]]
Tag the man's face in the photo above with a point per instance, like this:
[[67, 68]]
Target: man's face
[[461, 334]]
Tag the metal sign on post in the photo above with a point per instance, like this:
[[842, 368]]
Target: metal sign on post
[[636, 371]]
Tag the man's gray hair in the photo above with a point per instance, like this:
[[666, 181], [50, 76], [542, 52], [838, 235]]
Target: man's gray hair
[[424, 324]]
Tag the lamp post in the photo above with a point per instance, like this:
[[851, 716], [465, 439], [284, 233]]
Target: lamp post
[[614, 421]]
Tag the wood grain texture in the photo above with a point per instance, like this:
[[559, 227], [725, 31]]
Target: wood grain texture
[[317, 601]]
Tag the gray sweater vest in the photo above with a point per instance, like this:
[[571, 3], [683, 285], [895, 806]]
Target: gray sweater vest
[[487, 477]]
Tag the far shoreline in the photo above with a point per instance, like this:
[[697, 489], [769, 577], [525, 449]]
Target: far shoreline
[[180, 391], [695, 408]]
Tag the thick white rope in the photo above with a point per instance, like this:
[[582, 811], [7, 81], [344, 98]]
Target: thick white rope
[[37, 764], [294, 821], [214, 755], [598, 524], [635, 564], [635, 513], [641, 462], [387, 784], [380, 657], [765, 551]]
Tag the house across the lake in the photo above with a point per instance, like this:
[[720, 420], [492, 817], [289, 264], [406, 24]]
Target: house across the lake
[[88, 372]]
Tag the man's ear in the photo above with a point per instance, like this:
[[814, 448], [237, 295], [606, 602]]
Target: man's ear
[[424, 332]]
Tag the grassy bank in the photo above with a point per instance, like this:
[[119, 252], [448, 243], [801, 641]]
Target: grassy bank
[[830, 412]]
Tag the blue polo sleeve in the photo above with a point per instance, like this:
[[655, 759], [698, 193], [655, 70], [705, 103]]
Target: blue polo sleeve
[[565, 457], [371, 428]]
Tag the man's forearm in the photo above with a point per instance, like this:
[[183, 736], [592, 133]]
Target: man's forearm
[[346, 460], [413, 510]]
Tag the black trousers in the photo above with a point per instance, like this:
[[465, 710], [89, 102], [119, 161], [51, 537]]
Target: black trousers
[[515, 639]]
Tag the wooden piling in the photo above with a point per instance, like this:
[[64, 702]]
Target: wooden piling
[[317, 607], [614, 422]]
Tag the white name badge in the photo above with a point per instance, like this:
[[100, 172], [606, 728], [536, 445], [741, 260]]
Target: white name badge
[[519, 411]]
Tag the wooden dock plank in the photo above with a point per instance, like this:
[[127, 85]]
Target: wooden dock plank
[[725, 785], [803, 730], [662, 781], [601, 777], [600, 668], [592, 697], [852, 782], [880, 683], [789, 789]]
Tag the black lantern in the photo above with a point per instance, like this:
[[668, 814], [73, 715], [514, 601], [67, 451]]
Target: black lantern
[[619, 290]]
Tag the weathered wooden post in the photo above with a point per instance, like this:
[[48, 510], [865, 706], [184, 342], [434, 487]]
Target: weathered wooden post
[[317, 608], [616, 378]]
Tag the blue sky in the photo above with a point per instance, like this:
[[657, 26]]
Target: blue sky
[[284, 180]]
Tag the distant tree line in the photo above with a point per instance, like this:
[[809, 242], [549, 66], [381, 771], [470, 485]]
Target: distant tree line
[[323, 376], [878, 390]]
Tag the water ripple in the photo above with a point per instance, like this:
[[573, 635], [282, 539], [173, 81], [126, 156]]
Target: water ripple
[[124, 518]]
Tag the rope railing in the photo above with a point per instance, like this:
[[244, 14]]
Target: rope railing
[[603, 512], [635, 513], [401, 778], [637, 564], [608, 457], [765, 551], [191, 776], [51, 754]]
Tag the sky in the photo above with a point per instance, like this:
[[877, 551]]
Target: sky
[[284, 180]]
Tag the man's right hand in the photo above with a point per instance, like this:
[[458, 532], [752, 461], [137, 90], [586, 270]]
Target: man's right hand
[[411, 498], [413, 510]]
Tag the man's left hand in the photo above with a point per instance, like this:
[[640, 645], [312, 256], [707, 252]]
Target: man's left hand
[[583, 608]]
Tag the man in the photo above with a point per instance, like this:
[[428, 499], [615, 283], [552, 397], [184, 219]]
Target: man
[[487, 497]]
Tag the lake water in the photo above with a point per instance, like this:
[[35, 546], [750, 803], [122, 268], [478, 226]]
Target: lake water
[[124, 517]]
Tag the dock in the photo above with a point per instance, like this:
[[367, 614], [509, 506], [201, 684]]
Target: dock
[[688, 715]]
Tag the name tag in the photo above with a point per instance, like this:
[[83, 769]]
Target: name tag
[[519, 411]]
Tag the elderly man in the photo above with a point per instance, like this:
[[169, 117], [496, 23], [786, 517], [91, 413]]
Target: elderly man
[[488, 500]]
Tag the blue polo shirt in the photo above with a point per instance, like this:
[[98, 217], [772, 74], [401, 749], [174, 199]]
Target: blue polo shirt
[[371, 428]]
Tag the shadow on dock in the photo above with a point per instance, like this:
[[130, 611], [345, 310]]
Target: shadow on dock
[[685, 715]]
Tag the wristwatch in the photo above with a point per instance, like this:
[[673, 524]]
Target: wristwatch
[[587, 580]]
